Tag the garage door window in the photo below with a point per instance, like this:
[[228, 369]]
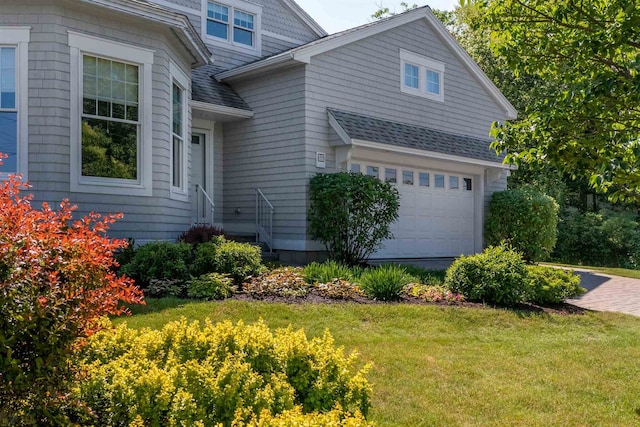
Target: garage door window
[[373, 171], [454, 183], [439, 181], [391, 175], [467, 184], [423, 179], [407, 177]]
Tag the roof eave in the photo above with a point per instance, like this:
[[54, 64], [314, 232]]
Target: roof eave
[[273, 63], [179, 23]]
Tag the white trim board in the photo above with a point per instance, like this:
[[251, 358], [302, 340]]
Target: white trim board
[[19, 37]]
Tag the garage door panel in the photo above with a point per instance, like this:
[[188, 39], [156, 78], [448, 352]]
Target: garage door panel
[[433, 222]]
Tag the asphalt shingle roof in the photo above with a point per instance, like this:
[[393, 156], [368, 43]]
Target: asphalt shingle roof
[[404, 135], [205, 88]]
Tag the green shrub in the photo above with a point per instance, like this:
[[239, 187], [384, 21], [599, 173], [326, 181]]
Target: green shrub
[[526, 220], [160, 260], [186, 374], [424, 276], [281, 282], [326, 272], [57, 281], [552, 285], [385, 283], [607, 238], [238, 260], [160, 288], [351, 214], [497, 275], [211, 286]]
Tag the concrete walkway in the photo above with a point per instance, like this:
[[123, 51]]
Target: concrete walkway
[[608, 293]]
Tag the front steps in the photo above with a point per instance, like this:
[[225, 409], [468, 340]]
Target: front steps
[[250, 238]]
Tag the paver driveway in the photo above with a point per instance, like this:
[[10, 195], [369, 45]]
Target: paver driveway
[[608, 293]]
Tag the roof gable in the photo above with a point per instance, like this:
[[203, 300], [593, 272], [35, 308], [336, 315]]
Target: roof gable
[[304, 53]]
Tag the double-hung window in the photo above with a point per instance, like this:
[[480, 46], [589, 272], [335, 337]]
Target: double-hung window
[[421, 76], [13, 99], [234, 22], [179, 100], [110, 117]]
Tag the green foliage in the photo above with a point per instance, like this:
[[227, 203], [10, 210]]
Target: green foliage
[[552, 285], [526, 220], [160, 260], [159, 288], [386, 282], [281, 282], [432, 293], [351, 213], [496, 275], [424, 276], [200, 234], [326, 272], [109, 149], [186, 374], [586, 122], [211, 286], [602, 239], [238, 260]]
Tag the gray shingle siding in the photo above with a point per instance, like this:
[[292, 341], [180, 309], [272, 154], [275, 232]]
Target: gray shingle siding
[[267, 152], [277, 18], [156, 217]]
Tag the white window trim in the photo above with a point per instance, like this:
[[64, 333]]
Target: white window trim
[[242, 6], [19, 38], [180, 78], [81, 44], [423, 63]]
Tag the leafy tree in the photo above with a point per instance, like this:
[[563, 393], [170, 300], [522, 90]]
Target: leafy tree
[[351, 213], [586, 122], [56, 281]]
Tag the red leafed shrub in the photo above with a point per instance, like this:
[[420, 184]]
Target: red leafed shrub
[[56, 281]]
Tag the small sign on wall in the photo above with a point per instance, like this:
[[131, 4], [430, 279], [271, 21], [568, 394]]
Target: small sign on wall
[[321, 160]]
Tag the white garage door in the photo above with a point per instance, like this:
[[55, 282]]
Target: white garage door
[[436, 216]]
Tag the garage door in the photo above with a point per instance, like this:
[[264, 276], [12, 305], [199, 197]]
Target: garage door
[[436, 216]]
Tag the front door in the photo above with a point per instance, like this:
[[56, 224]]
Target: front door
[[200, 207]]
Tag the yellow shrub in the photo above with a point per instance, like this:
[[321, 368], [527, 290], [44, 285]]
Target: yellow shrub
[[188, 374]]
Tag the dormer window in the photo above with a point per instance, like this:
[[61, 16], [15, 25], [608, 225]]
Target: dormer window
[[233, 22], [421, 76]]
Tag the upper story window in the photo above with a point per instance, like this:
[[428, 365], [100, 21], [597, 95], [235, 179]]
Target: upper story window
[[233, 22], [110, 117], [13, 99], [422, 76]]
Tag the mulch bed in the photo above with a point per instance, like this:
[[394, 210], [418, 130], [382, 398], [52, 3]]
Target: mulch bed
[[314, 298]]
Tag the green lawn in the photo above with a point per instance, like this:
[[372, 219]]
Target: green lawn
[[450, 366], [623, 272]]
